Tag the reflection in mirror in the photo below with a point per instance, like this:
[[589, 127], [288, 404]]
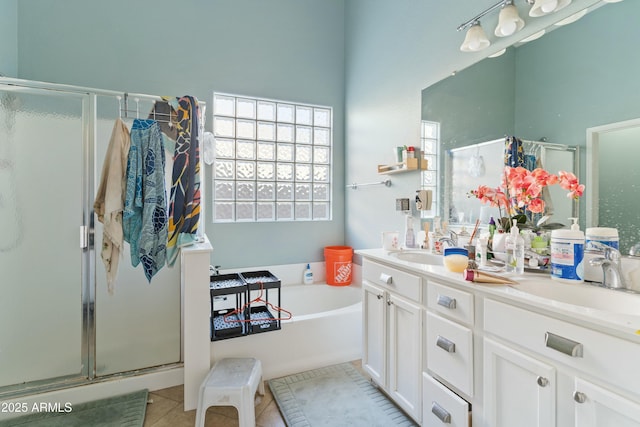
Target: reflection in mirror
[[610, 149], [470, 166], [574, 78]]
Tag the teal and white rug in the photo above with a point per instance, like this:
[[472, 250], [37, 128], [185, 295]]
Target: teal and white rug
[[334, 396], [126, 410]]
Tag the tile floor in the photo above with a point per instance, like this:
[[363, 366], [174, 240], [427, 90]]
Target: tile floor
[[166, 410]]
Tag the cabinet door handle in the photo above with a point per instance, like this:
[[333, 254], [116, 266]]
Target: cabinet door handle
[[446, 301], [542, 381], [579, 397], [563, 345], [389, 302], [386, 278], [445, 344], [379, 296], [442, 414]]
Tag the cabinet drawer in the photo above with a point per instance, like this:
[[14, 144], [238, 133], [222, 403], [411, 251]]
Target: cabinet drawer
[[454, 303], [595, 353], [441, 406], [400, 282], [450, 352]]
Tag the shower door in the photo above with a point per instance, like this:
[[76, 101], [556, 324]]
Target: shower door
[[58, 323], [43, 260]]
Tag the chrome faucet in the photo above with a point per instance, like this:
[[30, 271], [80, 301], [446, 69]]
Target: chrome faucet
[[611, 263], [451, 240]]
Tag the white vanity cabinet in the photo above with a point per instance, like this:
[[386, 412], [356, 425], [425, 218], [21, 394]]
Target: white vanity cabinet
[[449, 336], [542, 371], [518, 390], [392, 326]]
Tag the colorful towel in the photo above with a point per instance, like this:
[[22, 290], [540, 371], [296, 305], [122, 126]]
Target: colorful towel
[[109, 202], [184, 207], [145, 213]]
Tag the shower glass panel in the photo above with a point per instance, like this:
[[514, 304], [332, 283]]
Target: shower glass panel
[[138, 326], [42, 186]]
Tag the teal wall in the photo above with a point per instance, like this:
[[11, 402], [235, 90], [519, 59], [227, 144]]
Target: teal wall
[[282, 49], [394, 50], [9, 38]]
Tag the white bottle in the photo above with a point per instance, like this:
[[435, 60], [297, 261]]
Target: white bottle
[[409, 237], [481, 251], [308, 275], [514, 246], [567, 254]]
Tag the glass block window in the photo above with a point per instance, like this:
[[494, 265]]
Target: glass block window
[[273, 160], [430, 141]]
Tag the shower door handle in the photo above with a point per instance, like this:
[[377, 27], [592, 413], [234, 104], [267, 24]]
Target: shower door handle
[[84, 237]]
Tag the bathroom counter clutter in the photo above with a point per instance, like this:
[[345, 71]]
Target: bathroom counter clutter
[[611, 311], [464, 353]]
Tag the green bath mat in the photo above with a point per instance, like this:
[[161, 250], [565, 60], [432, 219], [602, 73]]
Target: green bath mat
[[126, 410], [334, 396]]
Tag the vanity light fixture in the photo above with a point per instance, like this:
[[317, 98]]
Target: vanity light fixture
[[476, 39], [571, 19], [611, 1], [545, 7], [509, 22], [498, 53], [532, 37]]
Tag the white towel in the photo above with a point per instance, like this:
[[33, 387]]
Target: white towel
[[109, 201]]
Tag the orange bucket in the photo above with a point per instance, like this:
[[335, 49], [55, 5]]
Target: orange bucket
[[338, 262]]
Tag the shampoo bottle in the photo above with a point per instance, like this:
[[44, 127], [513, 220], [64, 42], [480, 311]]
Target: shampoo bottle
[[308, 275], [514, 247]]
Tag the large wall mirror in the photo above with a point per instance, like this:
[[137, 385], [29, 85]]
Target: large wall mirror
[[578, 77]]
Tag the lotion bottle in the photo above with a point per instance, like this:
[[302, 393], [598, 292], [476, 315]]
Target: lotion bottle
[[308, 275], [410, 237], [514, 246]]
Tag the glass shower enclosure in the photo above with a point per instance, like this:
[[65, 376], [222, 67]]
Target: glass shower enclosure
[[58, 324]]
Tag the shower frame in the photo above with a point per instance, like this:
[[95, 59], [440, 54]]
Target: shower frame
[[88, 374]]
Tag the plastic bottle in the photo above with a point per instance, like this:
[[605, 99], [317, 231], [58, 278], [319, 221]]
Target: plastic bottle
[[567, 254], [308, 275], [481, 251], [409, 237], [514, 246]]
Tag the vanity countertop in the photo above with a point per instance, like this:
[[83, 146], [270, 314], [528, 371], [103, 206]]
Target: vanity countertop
[[610, 311]]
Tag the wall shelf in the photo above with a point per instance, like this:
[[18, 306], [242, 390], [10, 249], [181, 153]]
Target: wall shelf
[[412, 164]]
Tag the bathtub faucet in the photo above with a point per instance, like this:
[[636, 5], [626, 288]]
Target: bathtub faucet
[[214, 270]]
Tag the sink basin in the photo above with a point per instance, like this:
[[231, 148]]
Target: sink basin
[[584, 295], [418, 257]]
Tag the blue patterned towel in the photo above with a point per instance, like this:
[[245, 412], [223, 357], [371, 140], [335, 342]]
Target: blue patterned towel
[[145, 210]]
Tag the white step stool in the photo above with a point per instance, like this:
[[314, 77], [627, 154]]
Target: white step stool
[[232, 382]]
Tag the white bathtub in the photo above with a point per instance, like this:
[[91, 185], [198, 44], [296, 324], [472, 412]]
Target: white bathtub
[[325, 329]]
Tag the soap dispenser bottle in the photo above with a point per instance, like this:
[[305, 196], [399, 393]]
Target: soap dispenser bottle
[[409, 235], [308, 275], [514, 247], [567, 254]]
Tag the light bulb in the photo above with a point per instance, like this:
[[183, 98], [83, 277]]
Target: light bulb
[[549, 6]]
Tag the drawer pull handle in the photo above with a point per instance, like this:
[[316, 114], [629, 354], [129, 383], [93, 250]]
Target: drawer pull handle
[[442, 414], [445, 344], [542, 381], [446, 301], [579, 397], [386, 278], [563, 345]]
